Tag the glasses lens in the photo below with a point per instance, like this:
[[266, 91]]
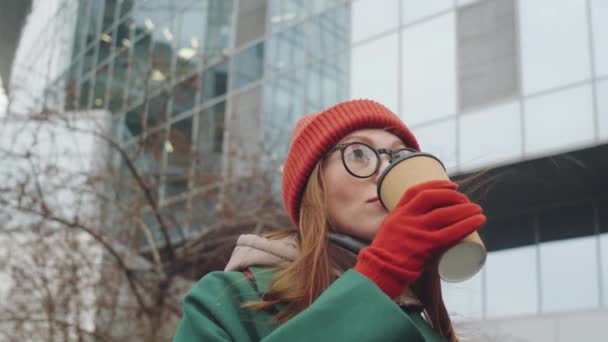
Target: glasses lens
[[402, 153], [360, 160]]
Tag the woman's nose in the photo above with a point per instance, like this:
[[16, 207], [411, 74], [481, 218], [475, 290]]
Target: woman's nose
[[384, 163]]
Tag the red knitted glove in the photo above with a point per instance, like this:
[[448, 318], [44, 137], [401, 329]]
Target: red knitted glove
[[429, 218]]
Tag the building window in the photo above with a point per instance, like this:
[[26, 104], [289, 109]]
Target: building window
[[487, 53], [251, 21]]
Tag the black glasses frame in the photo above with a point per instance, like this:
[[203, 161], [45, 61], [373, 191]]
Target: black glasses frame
[[377, 151]]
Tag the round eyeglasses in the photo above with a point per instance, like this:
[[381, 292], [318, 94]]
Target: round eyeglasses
[[362, 161]]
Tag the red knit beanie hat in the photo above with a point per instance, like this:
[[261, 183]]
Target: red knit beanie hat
[[316, 133]]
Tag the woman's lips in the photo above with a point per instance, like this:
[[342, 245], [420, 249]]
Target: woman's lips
[[372, 200]]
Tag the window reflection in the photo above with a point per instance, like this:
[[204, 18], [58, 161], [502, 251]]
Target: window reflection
[[599, 13], [373, 75], [372, 17], [286, 49], [184, 95], [428, 73], [578, 289], [284, 105], [328, 82], [133, 123], [71, 87], [139, 70], [209, 144], [95, 9], [99, 91], [246, 131], [149, 162], [440, 140], [566, 222], [251, 20], [218, 37], [544, 38], [191, 25], [329, 32], [119, 78], [107, 19], [286, 12], [204, 208], [412, 10], [157, 109], [602, 99], [83, 96], [551, 114], [160, 60], [248, 65], [178, 148], [511, 282], [214, 82]]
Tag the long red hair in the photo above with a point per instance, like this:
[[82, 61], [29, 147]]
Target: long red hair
[[299, 283]]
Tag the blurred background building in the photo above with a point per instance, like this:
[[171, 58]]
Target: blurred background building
[[520, 87]]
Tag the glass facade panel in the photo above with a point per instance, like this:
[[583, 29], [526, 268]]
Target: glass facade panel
[[283, 106], [500, 130], [413, 10], [149, 162], [440, 140], [373, 75], [95, 12], [329, 32], [248, 66], [328, 82], [175, 216], [184, 95], [428, 70], [209, 144], [286, 12], [160, 59], [602, 107], [511, 282], [99, 90], [569, 277], [191, 25], [566, 222], [140, 67], [134, 123], [83, 97], [544, 38], [119, 79], [510, 232], [246, 132], [599, 13], [214, 82], [602, 210], [157, 109], [371, 17], [286, 49], [548, 117], [251, 21], [219, 30], [204, 208], [179, 157], [487, 53]]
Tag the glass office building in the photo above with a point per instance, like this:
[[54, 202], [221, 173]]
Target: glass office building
[[517, 86]]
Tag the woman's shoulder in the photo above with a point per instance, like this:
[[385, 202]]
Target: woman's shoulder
[[252, 280]]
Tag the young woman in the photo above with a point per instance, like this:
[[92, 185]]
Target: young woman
[[306, 284]]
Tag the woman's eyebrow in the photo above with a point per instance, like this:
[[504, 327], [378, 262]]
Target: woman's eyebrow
[[396, 143]]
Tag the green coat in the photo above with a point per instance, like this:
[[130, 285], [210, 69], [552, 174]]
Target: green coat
[[353, 308]]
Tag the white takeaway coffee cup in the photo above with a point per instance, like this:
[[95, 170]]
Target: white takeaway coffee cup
[[461, 261]]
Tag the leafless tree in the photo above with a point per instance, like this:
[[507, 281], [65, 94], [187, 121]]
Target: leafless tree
[[87, 251]]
